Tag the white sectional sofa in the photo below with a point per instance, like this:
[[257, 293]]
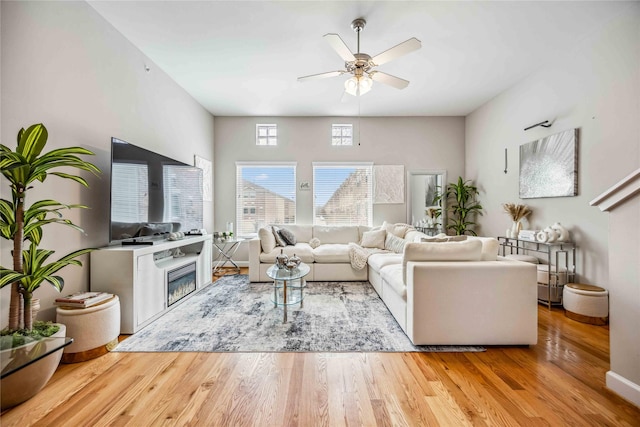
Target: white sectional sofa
[[444, 293]]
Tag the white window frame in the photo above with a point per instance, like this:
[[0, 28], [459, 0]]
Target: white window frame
[[368, 166], [240, 199], [269, 136], [342, 139]]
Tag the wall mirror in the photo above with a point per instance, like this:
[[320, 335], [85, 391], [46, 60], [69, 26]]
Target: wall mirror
[[422, 187]]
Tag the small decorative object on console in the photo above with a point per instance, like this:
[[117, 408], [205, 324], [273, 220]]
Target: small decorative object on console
[[563, 233], [517, 213]]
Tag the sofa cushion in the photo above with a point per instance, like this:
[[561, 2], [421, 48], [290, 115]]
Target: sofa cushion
[[373, 239], [380, 260], [331, 252], [303, 250], [340, 234], [288, 236], [392, 275], [267, 239], [445, 238], [414, 235], [468, 250], [394, 243], [398, 229], [303, 233], [490, 247]]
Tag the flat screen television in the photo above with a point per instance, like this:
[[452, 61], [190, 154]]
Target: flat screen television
[[151, 195]]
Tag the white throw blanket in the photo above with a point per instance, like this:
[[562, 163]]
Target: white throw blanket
[[359, 255]]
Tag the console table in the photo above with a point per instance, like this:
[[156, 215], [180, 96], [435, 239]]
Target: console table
[[148, 279], [563, 253]]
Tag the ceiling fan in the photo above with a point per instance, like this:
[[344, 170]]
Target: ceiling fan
[[361, 66]]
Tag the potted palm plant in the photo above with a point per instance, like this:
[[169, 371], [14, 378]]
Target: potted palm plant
[[462, 205], [23, 225]]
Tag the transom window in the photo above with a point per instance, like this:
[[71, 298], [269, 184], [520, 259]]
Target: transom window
[[265, 194], [342, 194], [341, 134], [266, 134]]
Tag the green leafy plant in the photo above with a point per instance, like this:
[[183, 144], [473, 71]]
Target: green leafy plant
[[21, 223], [462, 205]]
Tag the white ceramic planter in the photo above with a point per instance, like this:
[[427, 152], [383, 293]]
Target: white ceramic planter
[[28, 381]]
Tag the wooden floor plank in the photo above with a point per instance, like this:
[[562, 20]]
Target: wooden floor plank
[[559, 381]]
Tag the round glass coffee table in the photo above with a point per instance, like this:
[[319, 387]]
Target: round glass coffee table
[[288, 286]]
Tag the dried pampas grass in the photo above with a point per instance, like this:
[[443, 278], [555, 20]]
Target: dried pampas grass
[[517, 212]]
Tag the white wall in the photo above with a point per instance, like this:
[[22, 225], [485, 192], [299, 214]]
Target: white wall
[[418, 143], [595, 88], [64, 66]]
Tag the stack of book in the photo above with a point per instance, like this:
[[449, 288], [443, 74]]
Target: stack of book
[[83, 299], [527, 235]]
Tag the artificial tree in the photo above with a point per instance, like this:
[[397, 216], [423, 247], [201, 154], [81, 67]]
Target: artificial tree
[[21, 223], [462, 204]]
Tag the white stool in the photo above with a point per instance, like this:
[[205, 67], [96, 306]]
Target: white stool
[[551, 293], [586, 303], [94, 330]]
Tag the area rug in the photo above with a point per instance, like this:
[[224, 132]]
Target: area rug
[[234, 315]]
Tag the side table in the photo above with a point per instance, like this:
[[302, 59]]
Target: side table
[[288, 284], [227, 248]]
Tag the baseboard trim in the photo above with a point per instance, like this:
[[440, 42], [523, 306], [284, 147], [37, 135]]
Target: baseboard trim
[[625, 388]]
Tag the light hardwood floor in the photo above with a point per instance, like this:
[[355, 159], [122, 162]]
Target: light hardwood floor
[[558, 382]]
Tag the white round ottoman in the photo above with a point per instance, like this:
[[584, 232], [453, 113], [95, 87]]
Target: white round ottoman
[[553, 292], [586, 303], [94, 330]]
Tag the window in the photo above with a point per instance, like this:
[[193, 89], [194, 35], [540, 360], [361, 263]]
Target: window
[[265, 194], [266, 134], [342, 134], [342, 194]]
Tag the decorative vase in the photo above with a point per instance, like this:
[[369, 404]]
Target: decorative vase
[[542, 236], [563, 233], [281, 260], [553, 234], [515, 229], [295, 260]]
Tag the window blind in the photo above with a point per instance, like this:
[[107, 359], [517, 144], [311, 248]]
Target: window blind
[[265, 194], [342, 194]]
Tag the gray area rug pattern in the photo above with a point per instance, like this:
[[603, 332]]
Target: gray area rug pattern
[[233, 315]]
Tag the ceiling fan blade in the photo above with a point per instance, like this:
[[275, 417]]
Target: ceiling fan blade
[[340, 47], [321, 76], [388, 79], [397, 51]]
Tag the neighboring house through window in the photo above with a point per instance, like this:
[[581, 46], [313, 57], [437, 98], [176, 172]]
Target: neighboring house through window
[[265, 194]]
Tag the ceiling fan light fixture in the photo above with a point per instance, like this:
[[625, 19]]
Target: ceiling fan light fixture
[[357, 86]]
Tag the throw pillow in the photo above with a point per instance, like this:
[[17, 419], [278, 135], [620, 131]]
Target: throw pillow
[[288, 236], [394, 243], [399, 229], [373, 239], [276, 233], [314, 243], [267, 240]]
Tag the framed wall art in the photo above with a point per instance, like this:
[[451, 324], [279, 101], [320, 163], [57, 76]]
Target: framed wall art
[[549, 166]]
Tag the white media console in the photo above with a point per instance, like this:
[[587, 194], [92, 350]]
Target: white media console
[[151, 279]]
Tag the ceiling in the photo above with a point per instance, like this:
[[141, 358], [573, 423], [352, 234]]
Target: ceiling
[[240, 58]]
